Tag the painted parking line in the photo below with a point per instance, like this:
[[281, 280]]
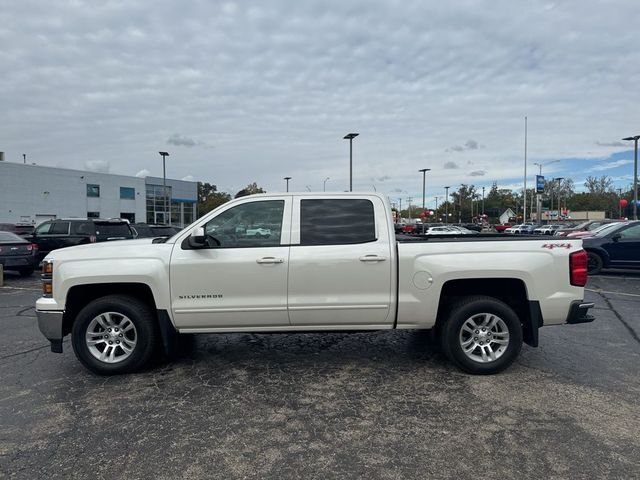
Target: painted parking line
[[598, 290], [21, 288]]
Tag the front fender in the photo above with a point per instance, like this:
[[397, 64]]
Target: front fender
[[152, 272]]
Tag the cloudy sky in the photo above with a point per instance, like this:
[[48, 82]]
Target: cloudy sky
[[256, 91]]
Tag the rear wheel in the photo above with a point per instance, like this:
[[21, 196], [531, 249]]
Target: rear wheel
[[482, 335], [594, 263], [115, 334], [25, 272]]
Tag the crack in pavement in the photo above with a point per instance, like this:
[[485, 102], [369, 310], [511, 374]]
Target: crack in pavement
[[24, 351], [629, 328]]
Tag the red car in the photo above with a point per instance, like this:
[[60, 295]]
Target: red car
[[502, 228]]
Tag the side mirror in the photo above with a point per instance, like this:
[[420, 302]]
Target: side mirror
[[616, 237], [196, 239]]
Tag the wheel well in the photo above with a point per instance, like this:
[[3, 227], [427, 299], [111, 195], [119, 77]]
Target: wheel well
[[602, 253], [79, 296], [511, 291]]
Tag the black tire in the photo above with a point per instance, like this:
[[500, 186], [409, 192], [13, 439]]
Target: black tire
[[468, 308], [26, 272], [146, 328], [594, 263]]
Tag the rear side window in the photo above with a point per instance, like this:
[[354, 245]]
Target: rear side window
[[336, 222], [59, 228], [113, 230], [82, 228]]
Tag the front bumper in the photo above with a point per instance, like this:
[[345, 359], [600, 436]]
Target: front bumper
[[50, 324], [578, 313]]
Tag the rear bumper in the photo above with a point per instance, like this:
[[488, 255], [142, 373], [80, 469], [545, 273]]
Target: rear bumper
[[17, 262], [578, 313], [50, 324]]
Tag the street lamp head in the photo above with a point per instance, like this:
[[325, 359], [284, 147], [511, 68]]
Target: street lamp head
[[164, 154], [287, 178], [350, 136], [424, 170], [632, 138]]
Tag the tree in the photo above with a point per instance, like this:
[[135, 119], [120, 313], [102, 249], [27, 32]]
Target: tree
[[599, 186], [209, 197]]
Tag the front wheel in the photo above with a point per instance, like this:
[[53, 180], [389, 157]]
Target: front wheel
[[115, 334], [482, 335]]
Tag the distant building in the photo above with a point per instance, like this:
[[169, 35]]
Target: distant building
[[507, 215], [35, 193]]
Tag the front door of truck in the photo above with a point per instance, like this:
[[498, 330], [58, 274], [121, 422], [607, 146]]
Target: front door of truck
[[340, 267], [242, 281]]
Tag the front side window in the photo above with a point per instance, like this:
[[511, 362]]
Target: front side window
[[127, 193], [631, 233], [336, 222], [93, 190], [43, 229], [254, 224]]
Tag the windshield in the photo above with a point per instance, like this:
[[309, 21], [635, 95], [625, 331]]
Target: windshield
[[603, 230]]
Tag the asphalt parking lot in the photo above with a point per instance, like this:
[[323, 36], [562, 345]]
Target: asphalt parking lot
[[375, 405]]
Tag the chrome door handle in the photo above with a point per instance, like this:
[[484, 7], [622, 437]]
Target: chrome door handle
[[270, 260], [372, 258]]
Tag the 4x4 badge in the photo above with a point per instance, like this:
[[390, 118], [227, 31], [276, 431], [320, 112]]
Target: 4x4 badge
[[551, 246]]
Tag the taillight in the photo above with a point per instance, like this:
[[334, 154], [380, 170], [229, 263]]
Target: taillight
[[30, 247], [34, 246], [578, 268]]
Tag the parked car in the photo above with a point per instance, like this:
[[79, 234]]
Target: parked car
[[258, 232], [60, 233], [546, 229], [615, 247], [501, 228], [476, 227], [584, 227], [463, 230], [523, 228], [144, 230], [17, 254], [591, 233], [20, 229], [330, 264]]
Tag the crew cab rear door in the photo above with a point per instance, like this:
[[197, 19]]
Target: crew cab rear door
[[340, 263]]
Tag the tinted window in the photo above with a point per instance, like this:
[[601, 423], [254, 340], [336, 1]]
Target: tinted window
[[335, 222], [82, 228], [59, 228], [127, 193], [93, 190], [113, 230], [128, 216], [93, 214], [255, 224]]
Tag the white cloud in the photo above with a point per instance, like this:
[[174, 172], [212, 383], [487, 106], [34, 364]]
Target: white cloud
[[275, 87], [101, 166], [610, 165]]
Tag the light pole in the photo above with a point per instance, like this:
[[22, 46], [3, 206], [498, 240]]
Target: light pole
[[350, 137], [483, 202], [287, 180], [424, 174], [524, 190], [164, 186], [324, 184], [635, 175], [559, 179], [446, 205]]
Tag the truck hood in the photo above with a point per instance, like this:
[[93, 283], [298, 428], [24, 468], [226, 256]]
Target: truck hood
[[142, 247]]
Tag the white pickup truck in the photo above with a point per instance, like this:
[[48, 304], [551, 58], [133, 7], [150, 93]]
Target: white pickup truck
[[331, 263]]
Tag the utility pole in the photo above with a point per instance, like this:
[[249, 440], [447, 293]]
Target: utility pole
[[635, 174], [164, 187], [483, 201], [409, 207], [619, 204]]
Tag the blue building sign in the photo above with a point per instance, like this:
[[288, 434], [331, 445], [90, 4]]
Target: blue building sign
[[539, 184]]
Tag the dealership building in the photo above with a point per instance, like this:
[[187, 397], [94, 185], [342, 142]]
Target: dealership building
[[34, 193]]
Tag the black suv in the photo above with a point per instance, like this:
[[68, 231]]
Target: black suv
[[61, 233], [143, 230]]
